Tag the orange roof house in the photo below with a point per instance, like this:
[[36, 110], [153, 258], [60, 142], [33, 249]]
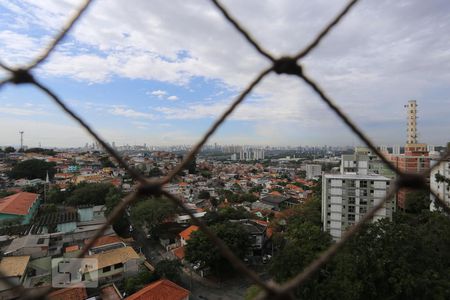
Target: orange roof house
[[18, 204], [179, 252], [186, 234], [77, 293], [159, 290], [104, 240]]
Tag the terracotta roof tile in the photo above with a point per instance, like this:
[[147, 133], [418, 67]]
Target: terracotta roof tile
[[160, 290], [186, 234], [104, 240], [179, 252], [78, 293], [18, 204]]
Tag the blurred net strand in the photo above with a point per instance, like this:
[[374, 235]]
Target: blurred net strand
[[61, 35], [214, 127], [325, 31], [134, 174], [243, 31], [148, 187]]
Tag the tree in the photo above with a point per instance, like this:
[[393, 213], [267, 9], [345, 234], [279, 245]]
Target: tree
[[9, 149], [309, 211], [170, 269], [204, 195], [406, 258], [90, 193], [416, 201], [135, 283], [32, 168], [106, 162], [247, 197], [226, 214], [155, 172], [304, 242], [49, 152], [200, 250], [151, 212], [192, 166]]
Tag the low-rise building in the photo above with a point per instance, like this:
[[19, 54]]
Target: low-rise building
[[117, 264], [161, 289], [13, 269], [20, 206]]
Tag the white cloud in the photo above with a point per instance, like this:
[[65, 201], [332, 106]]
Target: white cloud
[[172, 98], [158, 93], [130, 113], [21, 111]]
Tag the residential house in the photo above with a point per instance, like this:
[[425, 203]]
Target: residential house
[[76, 293], [13, 269], [117, 264], [161, 289], [185, 235], [33, 245], [21, 206]]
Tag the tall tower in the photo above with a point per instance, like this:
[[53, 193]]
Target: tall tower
[[21, 140], [411, 122]]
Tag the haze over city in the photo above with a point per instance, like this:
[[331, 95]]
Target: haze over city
[[145, 73]]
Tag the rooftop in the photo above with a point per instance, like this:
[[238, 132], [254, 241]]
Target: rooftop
[[104, 240], [161, 289], [14, 265], [119, 255], [186, 234], [18, 204], [78, 293], [356, 176]]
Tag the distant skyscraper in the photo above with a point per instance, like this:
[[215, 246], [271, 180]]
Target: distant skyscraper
[[396, 149], [411, 122]]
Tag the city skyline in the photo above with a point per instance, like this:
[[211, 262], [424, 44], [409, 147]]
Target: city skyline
[[155, 80]]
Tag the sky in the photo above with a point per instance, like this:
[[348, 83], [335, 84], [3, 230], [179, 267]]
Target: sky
[[159, 72]]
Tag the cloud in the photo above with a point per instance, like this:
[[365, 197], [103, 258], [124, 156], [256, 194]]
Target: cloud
[[172, 98], [21, 111], [130, 113], [158, 93]]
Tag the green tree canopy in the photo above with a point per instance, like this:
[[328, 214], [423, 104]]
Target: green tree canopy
[[32, 168], [170, 269], [49, 152], [407, 258], [90, 194], [9, 149], [200, 250], [152, 212], [204, 195]]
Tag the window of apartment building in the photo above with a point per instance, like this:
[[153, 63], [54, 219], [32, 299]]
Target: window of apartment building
[[362, 210], [364, 193], [363, 201], [372, 182], [351, 200], [118, 266], [351, 209], [351, 217], [371, 192], [363, 183], [106, 269]]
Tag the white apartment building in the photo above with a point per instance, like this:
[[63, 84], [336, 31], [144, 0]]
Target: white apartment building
[[347, 197], [313, 171], [439, 186], [251, 154]]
